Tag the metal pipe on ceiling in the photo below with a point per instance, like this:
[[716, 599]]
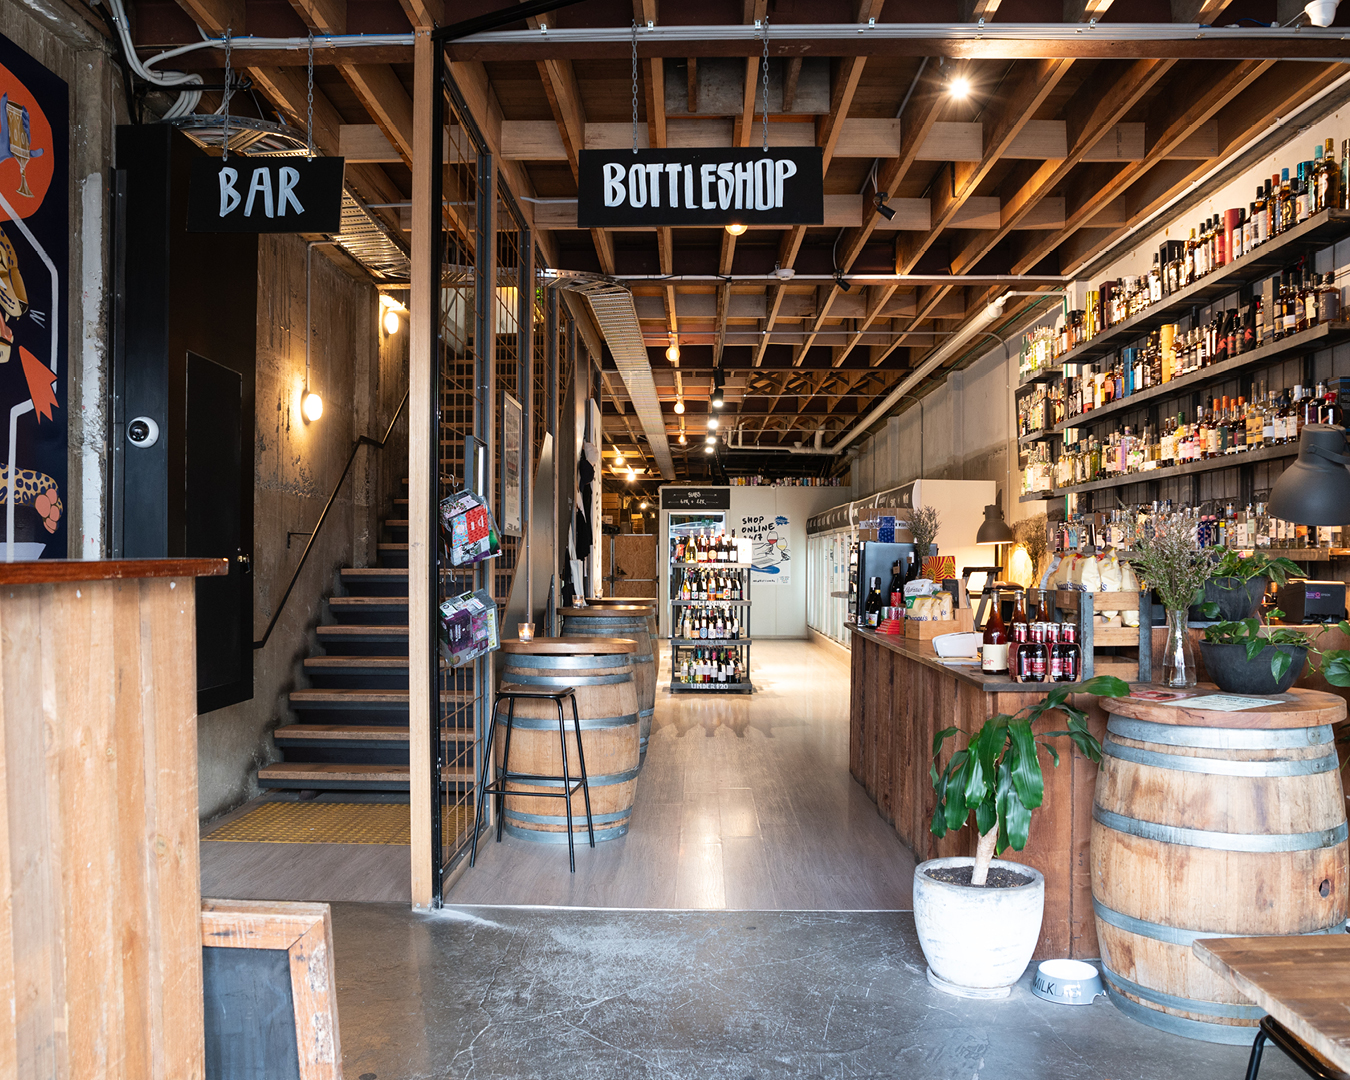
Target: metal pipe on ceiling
[[913, 279]]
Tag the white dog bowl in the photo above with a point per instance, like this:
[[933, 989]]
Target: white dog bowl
[[1068, 982]]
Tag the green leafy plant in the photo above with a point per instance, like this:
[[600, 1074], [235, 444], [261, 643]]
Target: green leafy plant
[[1256, 637], [1335, 663], [997, 777], [1258, 564], [924, 523]]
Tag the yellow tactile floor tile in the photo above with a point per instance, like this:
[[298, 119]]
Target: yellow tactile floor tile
[[334, 823]]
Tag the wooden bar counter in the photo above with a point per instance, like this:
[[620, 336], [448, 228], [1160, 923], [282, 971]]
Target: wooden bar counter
[[100, 931], [901, 695]]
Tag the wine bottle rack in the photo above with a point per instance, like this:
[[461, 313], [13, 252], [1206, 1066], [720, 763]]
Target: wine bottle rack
[[682, 647]]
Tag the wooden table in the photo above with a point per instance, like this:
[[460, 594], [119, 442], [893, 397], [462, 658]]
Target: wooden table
[[1303, 982]]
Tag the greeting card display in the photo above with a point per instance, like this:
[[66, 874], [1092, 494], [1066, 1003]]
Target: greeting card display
[[469, 530]]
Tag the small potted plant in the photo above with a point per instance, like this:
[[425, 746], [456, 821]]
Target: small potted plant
[[1246, 657], [1237, 582], [924, 523], [978, 917]]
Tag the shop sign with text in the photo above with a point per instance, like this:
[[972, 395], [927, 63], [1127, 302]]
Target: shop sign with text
[[714, 186], [266, 195]]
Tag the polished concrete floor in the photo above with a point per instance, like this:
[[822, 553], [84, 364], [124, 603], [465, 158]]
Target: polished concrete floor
[[744, 802], [513, 993]]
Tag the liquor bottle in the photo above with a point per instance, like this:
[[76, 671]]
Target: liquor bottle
[[1328, 299], [1301, 305], [994, 649], [872, 609], [1237, 428], [1260, 217], [1033, 657], [1329, 193], [897, 584], [1302, 206], [1021, 634]]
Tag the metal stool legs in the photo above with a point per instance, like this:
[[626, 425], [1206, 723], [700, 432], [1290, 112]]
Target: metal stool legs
[[497, 788]]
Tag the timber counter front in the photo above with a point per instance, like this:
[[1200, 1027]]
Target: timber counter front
[[901, 695], [100, 922]]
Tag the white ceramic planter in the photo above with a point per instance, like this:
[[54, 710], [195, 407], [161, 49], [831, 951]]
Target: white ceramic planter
[[977, 941]]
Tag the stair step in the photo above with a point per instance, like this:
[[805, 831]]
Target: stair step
[[341, 733], [364, 640], [374, 580], [358, 699], [392, 554], [396, 523], [332, 776], [355, 672], [401, 502], [368, 610], [343, 744]]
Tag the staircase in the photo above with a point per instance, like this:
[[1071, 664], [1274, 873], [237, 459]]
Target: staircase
[[351, 729]]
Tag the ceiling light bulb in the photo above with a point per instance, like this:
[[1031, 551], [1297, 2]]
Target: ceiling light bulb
[[618, 458], [683, 441], [643, 504], [710, 448], [710, 439], [717, 398], [713, 422], [735, 228], [631, 476], [390, 321], [679, 406], [673, 353], [959, 88], [311, 405]]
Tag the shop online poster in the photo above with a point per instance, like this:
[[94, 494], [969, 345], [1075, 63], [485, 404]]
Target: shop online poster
[[772, 558], [34, 256]]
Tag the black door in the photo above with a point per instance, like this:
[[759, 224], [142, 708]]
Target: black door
[[214, 528]]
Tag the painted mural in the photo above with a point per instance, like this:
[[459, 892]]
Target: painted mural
[[34, 259], [772, 557]]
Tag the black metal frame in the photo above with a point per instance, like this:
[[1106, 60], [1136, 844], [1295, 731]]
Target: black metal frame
[[497, 788], [1294, 1047], [364, 440]]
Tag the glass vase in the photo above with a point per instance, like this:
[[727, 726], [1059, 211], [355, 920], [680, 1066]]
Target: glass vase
[[1178, 666]]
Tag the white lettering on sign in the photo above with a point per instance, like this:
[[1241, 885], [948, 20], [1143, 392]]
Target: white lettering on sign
[[739, 185], [229, 194], [261, 184], [287, 180]]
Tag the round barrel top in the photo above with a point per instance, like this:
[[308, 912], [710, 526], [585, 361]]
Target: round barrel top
[[609, 611], [1294, 709], [569, 646], [618, 601]]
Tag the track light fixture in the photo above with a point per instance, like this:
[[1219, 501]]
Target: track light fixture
[[880, 200], [710, 439], [713, 422], [719, 380], [839, 280], [711, 448]]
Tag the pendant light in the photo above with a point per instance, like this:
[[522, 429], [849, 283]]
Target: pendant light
[[994, 530], [1315, 490]]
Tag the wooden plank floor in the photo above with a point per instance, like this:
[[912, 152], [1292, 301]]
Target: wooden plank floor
[[743, 803]]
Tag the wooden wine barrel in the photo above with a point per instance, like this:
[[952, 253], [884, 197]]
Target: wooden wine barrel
[[600, 670], [635, 621], [1212, 824]]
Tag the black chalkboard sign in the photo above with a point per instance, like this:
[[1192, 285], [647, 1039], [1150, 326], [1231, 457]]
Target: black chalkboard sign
[[696, 498], [265, 195], [249, 1014]]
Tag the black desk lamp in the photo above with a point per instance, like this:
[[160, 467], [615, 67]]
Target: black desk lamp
[[1315, 490]]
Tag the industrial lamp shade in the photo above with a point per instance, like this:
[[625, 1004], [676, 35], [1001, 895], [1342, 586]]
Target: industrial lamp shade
[[994, 530], [1315, 490]]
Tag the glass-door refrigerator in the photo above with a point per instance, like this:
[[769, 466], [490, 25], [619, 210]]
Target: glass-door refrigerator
[[876, 560]]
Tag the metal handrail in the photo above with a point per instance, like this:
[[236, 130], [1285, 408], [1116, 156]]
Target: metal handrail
[[364, 440]]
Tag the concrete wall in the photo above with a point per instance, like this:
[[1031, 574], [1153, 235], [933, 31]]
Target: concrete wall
[[69, 42], [361, 374]]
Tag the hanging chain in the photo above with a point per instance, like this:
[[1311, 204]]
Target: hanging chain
[[225, 105], [635, 88], [309, 99], [766, 84]]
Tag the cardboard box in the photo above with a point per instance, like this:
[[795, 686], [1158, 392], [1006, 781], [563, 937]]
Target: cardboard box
[[926, 630]]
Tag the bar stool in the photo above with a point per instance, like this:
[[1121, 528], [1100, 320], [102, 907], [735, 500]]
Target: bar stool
[[511, 694]]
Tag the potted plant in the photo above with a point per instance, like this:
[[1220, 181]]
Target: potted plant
[[1246, 657], [924, 523], [1168, 560], [978, 917], [1237, 582]]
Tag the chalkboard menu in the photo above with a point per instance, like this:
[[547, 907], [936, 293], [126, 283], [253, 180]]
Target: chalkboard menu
[[696, 498]]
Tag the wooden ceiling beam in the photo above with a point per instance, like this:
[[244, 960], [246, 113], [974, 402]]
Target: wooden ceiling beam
[[1175, 115], [1085, 10], [975, 10], [1198, 11]]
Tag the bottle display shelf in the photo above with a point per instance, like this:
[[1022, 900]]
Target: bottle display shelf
[[712, 688], [691, 642], [695, 603]]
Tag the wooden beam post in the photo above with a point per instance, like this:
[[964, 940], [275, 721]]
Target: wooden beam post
[[422, 476]]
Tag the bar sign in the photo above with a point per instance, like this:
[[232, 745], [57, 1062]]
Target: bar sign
[[266, 195]]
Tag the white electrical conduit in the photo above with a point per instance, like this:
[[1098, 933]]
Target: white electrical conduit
[[168, 80]]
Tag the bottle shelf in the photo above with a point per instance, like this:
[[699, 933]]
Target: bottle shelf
[[1320, 336], [1037, 436], [1228, 461], [697, 603], [692, 642], [712, 688], [712, 566], [1319, 231]]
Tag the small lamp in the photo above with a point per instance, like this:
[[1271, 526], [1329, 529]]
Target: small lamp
[[995, 530], [1315, 490]]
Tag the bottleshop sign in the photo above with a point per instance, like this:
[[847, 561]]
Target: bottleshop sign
[[266, 195], [693, 498], [715, 186]]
